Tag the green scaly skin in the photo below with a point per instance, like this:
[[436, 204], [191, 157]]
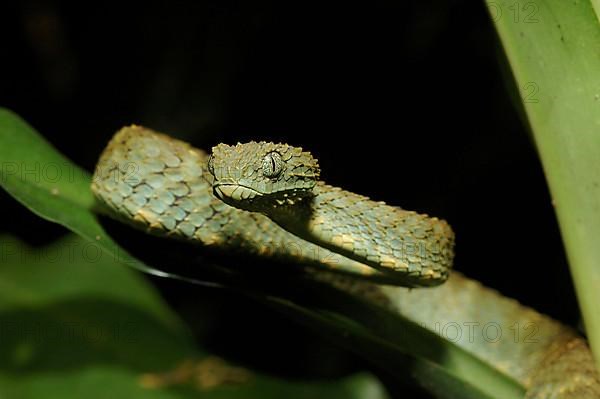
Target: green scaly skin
[[164, 186], [412, 249], [548, 358]]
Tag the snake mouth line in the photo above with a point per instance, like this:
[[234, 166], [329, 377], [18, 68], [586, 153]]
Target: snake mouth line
[[235, 192]]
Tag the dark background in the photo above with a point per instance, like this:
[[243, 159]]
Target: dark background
[[404, 101]]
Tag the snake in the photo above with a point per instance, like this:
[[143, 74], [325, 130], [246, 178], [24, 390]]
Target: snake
[[267, 200]]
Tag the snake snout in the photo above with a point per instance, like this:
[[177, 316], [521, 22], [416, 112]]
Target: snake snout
[[234, 192]]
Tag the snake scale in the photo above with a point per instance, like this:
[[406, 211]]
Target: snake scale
[[266, 199]]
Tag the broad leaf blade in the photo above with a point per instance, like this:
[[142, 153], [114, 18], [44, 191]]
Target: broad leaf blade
[[53, 187], [554, 58]]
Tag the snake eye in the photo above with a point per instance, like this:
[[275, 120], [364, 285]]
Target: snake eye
[[210, 165], [272, 164]]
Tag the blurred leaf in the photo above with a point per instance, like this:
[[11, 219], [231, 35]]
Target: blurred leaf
[[74, 324], [443, 368]]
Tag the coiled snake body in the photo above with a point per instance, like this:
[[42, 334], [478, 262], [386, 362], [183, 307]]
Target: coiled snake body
[[166, 186]]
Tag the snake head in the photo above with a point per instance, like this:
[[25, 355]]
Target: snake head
[[256, 176]]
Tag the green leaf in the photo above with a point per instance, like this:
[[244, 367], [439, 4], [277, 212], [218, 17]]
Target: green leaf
[[53, 187], [442, 380], [552, 47], [74, 324], [448, 372]]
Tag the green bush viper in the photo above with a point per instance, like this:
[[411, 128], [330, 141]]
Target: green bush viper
[[166, 187]]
